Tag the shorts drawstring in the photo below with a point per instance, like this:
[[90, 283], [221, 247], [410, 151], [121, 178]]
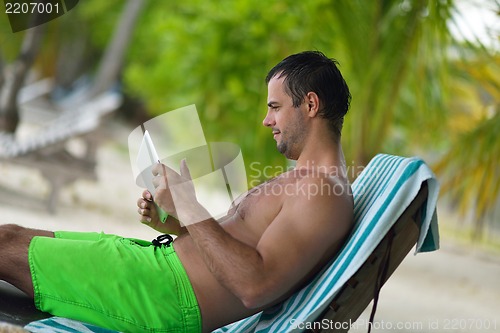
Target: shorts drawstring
[[162, 240]]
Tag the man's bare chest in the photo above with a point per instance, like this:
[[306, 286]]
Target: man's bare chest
[[262, 204], [252, 214]]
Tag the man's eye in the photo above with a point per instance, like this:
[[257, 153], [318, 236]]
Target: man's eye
[[273, 107]]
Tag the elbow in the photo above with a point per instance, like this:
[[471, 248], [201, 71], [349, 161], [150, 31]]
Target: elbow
[[250, 302], [256, 298]]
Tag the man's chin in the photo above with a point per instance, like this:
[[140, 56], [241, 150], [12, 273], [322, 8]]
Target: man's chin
[[281, 148]]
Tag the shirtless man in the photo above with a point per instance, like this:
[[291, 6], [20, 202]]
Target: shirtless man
[[271, 243]]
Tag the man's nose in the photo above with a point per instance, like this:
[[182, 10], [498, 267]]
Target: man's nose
[[268, 120]]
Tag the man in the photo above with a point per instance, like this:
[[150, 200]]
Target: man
[[270, 244]]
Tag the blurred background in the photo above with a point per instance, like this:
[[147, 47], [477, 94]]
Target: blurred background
[[424, 76]]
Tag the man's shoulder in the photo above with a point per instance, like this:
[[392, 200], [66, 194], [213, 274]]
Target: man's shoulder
[[321, 199], [299, 195]]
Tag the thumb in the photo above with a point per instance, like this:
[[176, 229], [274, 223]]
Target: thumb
[[185, 173]]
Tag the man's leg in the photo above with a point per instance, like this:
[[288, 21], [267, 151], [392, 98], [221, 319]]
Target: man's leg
[[14, 265]]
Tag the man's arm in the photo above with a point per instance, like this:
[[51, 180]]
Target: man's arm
[[307, 229]]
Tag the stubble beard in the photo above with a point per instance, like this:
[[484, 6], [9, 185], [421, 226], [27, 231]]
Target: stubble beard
[[287, 149], [291, 139], [282, 147]]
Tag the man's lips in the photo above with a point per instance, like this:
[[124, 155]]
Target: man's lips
[[275, 133]]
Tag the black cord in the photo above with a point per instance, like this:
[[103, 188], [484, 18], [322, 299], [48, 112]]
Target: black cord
[[381, 276], [163, 240]]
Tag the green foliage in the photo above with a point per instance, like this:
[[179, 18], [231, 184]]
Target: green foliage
[[397, 53], [469, 168], [216, 55], [10, 43]]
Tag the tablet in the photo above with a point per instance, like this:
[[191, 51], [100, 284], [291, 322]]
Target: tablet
[[147, 157]]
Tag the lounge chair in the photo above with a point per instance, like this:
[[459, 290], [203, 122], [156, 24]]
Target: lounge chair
[[394, 209]]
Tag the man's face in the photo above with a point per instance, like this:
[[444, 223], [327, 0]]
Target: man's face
[[286, 121]]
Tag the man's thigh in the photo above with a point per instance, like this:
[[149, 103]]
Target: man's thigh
[[14, 245]]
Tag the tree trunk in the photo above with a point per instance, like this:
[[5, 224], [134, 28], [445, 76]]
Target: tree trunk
[[13, 82], [112, 61]]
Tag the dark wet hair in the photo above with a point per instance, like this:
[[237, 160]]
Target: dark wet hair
[[312, 71]]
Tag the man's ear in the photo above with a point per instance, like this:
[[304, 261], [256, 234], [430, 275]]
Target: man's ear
[[312, 103]]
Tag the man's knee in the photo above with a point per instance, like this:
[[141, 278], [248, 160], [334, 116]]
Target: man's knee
[[13, 236], [11, 227], [10, 232], [14, 264], [14, 232]]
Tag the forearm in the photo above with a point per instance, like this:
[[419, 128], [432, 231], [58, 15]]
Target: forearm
[[237, 266], [173, 227]]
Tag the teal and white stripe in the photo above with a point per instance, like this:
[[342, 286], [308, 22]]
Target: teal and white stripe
[[63, 325], [382, 192]]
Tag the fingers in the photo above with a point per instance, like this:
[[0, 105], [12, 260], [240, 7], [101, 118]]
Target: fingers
[[160, 175], [147, 195], [144, 208], [157, 169], [145, 218], [160, 169], [157, 181], [163, 175]]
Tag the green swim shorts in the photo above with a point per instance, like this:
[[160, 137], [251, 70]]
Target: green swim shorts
[[122, 284]]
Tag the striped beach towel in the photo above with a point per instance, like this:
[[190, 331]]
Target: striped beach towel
[[382, 192]]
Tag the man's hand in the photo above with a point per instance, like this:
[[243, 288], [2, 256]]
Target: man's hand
[[149, 216], [175, 194], [163, 194]]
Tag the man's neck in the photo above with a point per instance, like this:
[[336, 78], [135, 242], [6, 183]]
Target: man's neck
[[332, 164]]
